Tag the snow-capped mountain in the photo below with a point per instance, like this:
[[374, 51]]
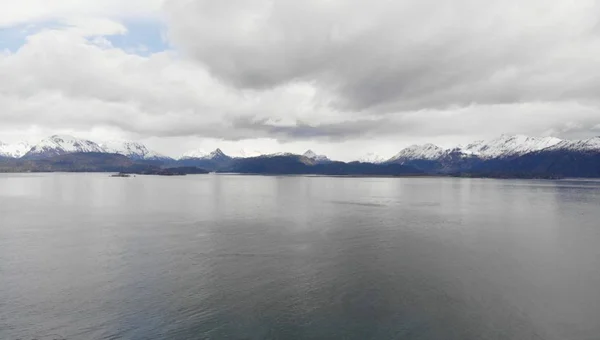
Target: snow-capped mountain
[[317, 158], [60, 145], [279, 154], [507, 156], [216, 155], [195, 154], [210, 161], [585, 145], [132, 150], [372, 158], [508, 146], [418, 152], [474, 157], [16, 150], [244, 153], [501, 147]]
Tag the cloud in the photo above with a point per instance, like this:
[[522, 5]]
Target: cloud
[[346, 76], [390, 56], [72, 77], [36, 11], [89, 27]]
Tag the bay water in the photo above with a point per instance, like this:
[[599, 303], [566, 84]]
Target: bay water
[[86, 256]]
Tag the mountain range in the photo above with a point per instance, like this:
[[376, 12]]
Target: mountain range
[[508, 156], [505, 156], [17, 150], [58, 145]]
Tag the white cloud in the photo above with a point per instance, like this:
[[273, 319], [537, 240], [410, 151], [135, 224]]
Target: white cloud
[[87, 27], [32, 11], [341, 77], [398, 55], [61, 80]]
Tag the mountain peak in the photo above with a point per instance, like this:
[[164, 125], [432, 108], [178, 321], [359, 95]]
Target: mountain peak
[[586, 145], [62, 137], [244, 153], [315, 157], [15, 150], [371, 158], [310, 154], [132, 150], [423, 152], [217, 154], [279, 154], [509, 145], [57, 145]]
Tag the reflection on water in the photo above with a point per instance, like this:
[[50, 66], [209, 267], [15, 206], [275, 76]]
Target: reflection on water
[[85, 256]]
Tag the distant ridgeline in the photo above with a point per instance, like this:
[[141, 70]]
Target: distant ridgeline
[[91, 162], [280, 164], [504, 157]]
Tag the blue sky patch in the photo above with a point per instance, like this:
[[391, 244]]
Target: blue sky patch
[[12, 38], [142, 37]]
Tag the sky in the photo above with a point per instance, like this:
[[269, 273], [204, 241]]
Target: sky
[[341, 77]]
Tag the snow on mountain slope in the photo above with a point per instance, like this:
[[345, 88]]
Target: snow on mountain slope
[[195, 154], [317, 158], [217, 154], [508, 146], [62, 144], [132, 150], [279, 154], [16, 150], [585, 145], [372, 158], [421, 152], [244, 153]]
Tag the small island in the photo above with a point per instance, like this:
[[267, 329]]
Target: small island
[[120, 174], [177, 171]]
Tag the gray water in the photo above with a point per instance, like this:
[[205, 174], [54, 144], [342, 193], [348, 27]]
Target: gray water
[[85, 256]]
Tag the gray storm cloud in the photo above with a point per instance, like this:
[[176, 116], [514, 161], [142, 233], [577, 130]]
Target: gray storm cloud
[[386, 56]]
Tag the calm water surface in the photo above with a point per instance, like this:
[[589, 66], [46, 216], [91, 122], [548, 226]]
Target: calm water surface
[[85, 256]]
